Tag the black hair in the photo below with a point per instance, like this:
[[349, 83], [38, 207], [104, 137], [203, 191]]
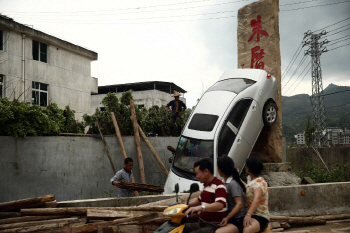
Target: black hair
[[227, 166], [205, 164], [128, 160], [255, 165]]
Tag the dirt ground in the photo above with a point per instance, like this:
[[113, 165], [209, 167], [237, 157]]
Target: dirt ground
[[337, 226]]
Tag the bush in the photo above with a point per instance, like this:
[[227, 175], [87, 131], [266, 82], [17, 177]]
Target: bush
[[321, 174]]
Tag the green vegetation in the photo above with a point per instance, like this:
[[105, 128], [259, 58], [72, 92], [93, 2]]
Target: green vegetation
[[320, 174], [20, 119], [296, 109]]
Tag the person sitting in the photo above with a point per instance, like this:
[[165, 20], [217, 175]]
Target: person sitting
[[257, 217]]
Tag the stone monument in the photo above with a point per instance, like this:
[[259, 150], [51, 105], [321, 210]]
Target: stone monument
[[259, 48]]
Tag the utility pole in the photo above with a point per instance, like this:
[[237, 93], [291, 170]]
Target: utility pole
[[318, 108]]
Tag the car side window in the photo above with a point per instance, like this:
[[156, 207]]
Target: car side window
[[232, 125]]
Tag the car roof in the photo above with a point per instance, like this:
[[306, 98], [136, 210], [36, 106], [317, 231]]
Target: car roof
[[253, 74]]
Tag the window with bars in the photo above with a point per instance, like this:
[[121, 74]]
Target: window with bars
[[39, 94], [39, 51], [1, 85]]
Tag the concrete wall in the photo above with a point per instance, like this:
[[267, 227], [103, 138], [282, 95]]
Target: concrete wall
[[71, 167], [331, 156], [319, 199], [67, 71]]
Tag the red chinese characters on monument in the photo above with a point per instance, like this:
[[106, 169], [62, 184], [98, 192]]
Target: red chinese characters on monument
[[257, 53]]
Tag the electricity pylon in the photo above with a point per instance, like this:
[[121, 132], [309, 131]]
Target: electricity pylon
[[318, 108]]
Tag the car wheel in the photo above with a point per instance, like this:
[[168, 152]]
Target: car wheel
[[270, 114]]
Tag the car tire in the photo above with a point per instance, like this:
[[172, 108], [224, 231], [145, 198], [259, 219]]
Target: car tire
[[270, 114]]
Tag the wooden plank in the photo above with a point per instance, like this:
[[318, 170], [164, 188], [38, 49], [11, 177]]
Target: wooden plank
[[29, 219], [129, 228], [24, 203], [35, 223], [299, 220], [154, 152], [105, 146], [137, 143], [83, 210], [5, 215], [41, 228], [182, 199], [107, 214], [94, 226]]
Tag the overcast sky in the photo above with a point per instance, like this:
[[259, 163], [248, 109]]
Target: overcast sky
[[190, 43]]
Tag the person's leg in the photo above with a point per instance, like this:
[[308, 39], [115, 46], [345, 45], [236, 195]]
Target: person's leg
[[178, 122], [191, 227], [208, 229], [172, 125], [253, 228], [229, 228]]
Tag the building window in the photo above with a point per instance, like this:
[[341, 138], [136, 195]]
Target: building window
[[39, 94], [1, 85], [39, 51]]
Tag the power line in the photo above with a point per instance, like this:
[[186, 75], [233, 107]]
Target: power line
[[332, 24], [301, 8], [336, 92], [291, 62], [300, 63], [299, 76], [338, 47], [297, 85]]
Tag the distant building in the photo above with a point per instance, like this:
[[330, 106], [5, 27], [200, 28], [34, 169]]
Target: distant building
[[40, 69], [300, 137], [145, 94], [334, 135]]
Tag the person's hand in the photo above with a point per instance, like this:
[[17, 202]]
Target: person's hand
[[192, 210], [223, 222], [116, 183], [247, 221]]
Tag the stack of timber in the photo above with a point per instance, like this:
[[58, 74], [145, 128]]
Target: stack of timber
[[41, 214], [141, 187]]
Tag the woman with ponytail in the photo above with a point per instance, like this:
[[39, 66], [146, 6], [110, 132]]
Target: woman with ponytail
[[233, 222]]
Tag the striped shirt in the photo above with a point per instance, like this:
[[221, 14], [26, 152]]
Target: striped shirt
[[125, 176], [213, 192]]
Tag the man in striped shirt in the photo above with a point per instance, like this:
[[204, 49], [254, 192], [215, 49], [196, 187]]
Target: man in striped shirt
[[212, 201], [125, 175]]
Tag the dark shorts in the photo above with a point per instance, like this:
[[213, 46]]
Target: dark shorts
[[238, 222], [263, 222], [200, 227]]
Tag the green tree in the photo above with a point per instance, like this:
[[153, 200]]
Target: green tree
[[309, 133]]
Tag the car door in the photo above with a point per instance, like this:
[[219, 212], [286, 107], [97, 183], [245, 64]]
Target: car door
[[230, 140]]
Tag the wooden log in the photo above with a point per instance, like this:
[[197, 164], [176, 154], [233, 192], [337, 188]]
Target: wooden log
[[129, 228], [83, 210], [41, 228], [23, 203], [121, 144], [94, 226], [34, 223], [137, 143], [277, 230], [107, 214], [299, 220], [29, 219], [5, 215], [105, 146], [154, 152]]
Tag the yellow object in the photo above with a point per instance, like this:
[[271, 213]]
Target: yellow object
[[176, 212], [179, 229], [267, 229]]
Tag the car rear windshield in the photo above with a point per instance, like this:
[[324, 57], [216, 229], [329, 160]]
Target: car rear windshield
[[203, 122], [190, 150], [235, 85]]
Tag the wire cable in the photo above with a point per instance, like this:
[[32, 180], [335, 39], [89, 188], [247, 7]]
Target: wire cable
[[292, 62]]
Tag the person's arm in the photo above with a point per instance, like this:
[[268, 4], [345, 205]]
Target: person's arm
[[194, 202], [258, 194], [116, 179], [234, 211], [213, 207], [183, 108]]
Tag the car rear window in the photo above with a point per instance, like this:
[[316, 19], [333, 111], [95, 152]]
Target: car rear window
[[203, 122], [235, 85]]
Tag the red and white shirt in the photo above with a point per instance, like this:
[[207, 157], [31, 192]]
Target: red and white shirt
[[213, 192]]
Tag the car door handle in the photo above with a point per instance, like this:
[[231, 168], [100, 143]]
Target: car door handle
[[239, 140], [254, 107]]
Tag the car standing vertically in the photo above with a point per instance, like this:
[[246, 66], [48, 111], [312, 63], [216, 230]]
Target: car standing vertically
[[227, 120]]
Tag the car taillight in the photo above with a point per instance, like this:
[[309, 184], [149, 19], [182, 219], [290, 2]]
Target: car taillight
[[268, 76]]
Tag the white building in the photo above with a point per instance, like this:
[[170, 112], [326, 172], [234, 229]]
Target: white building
[[38, 68], [300, 137], [145, 94], [334, 135]]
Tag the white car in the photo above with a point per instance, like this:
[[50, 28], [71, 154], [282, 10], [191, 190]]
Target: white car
[[226, 121]]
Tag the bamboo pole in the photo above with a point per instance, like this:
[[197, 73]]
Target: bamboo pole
[[105, 146], [156, 156], [137, 143], [121, 144]]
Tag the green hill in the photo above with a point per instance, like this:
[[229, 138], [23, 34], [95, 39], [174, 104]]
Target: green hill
[[296, 109]]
